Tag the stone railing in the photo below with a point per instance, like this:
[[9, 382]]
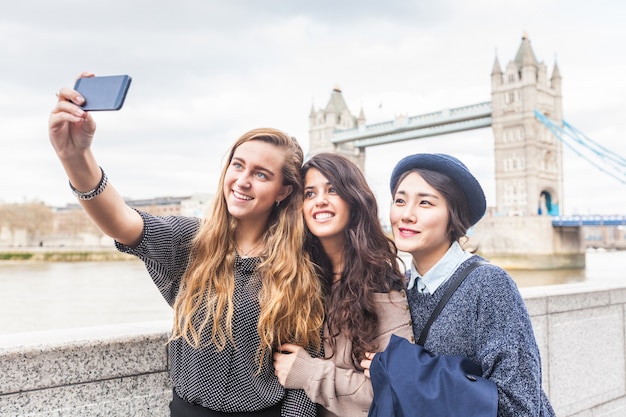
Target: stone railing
[[121, 370], [100, 371], [580, 332]]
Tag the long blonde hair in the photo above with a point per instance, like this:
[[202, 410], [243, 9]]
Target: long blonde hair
[[290, 295]]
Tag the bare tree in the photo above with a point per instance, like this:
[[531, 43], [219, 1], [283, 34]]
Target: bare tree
[[34, 218]]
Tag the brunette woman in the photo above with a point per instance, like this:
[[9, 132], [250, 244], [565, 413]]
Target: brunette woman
[[365, 299]]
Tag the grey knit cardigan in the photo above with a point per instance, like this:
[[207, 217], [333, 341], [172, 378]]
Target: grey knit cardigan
[[487, 320]]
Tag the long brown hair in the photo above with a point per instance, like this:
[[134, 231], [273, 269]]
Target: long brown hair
[[370, 258], [290, 296]]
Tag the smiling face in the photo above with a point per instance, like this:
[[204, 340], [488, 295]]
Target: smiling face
[[326, 214], [419, 220], [254, 181]]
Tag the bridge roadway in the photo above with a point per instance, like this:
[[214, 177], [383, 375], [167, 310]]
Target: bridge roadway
[[590, 220], [474, 116]]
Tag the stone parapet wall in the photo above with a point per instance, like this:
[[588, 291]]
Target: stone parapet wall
[[116, 370], [580, 331], [121, 370]]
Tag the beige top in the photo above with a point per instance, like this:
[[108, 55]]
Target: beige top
[[334, 383]]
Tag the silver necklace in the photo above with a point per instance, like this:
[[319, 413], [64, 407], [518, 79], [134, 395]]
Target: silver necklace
[[243, 254]]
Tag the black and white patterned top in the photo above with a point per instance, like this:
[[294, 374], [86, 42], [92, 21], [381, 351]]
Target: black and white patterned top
[[227, 380]]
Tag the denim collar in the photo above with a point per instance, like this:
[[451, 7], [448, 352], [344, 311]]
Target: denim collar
[[440, 272]]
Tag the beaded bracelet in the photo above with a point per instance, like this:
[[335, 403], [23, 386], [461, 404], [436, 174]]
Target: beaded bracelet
[[90, 195]]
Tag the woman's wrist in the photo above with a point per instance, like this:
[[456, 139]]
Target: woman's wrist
[[93, 193]]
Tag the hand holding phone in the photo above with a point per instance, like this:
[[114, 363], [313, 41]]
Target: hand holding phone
[[103, 93]]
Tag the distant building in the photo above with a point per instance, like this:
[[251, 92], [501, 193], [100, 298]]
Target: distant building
[[606, 237], [73, 228]]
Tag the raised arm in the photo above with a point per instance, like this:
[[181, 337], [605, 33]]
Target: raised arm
[[71, 133]]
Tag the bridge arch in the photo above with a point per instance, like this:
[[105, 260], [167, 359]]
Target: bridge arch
[[546, 205]]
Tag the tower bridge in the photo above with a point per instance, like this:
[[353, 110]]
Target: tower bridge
[[522, 230]]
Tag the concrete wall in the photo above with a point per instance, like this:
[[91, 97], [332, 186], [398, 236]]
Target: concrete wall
[[121, 370]]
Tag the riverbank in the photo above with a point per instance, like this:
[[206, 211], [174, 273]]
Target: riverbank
[[62, 255]]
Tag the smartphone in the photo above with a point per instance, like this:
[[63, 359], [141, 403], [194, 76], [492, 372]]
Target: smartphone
[[103, 93]]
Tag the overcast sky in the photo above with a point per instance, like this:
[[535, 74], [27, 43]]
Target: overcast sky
[[204, 72]]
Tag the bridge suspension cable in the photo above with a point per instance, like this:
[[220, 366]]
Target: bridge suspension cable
[[599, 156]]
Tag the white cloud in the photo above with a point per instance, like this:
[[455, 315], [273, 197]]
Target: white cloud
[[206, 71]]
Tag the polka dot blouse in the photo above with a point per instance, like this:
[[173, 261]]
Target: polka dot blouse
[[226, 380]]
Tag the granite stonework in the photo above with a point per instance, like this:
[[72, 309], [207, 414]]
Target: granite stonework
[[122, 370], [580, 331], [102, 371]]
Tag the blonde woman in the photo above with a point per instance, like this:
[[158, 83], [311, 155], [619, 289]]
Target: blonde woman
[[226, 277]]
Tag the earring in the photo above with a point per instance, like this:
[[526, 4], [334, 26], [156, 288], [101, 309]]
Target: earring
[[277, 203]]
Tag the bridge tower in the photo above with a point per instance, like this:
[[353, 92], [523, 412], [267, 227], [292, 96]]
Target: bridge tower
[[324, 122], [529, 171], [528, 158]]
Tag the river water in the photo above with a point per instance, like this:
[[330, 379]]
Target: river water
[[59, 295]]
